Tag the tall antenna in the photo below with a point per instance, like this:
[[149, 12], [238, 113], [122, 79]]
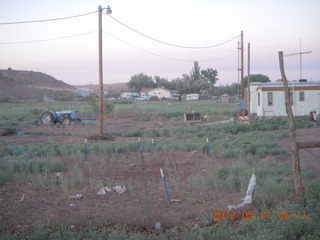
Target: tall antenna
[[299, 53]]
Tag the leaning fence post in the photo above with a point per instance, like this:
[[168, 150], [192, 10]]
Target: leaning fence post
[[16, 147], [208, 148], [86, 150], [165, 186], [152, 147], [145, 185]]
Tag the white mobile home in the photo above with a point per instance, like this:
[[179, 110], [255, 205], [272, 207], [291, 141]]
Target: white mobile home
[[192, 97], [157, 92], [267, 99]]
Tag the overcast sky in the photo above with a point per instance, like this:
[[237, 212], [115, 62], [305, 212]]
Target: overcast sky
[[269, 25]]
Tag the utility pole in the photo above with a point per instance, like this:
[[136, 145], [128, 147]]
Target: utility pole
[[248, 79], [101, 93], [299, 53], [242, 69]]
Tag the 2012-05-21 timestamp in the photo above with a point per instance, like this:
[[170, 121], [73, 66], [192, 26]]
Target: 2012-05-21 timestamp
[[285, 214]]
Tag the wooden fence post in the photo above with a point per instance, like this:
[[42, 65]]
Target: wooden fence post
[[292, 133]]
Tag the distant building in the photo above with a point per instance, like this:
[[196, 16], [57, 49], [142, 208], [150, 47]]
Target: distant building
[[192, 97], [158, 92], [48, 99], [225, 98], [268, 99], [85, 92]]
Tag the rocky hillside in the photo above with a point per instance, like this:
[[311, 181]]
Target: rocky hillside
[[31, 85]]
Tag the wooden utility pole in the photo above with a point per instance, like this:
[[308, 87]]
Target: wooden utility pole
[[248, 79], [242, 69], [292, 133], [101, 93]]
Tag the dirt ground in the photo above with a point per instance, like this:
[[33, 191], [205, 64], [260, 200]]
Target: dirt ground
[[23, 205]]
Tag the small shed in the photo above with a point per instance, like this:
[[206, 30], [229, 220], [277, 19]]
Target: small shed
[[225, 98], [192, 117]]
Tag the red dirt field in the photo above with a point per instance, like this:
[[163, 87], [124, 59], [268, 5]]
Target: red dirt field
[[26, 204]]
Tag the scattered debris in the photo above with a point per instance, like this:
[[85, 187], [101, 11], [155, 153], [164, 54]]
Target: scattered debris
[[158, 226], [57, 180], [22, 226], [13, 132], [117, 189], [250, 191], [132, 165], [120, 189], [77, 196], [22, 197], [71, 227], [104, 191], [158, 124]]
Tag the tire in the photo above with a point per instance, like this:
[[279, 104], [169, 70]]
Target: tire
[[47, 117], [67, 121]]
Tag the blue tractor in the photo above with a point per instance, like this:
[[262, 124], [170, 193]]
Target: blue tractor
[[64, 116]]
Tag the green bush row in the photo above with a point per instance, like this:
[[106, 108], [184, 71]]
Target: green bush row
[[19, 167]]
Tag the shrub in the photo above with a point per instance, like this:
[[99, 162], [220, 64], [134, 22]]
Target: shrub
[[108, 107]]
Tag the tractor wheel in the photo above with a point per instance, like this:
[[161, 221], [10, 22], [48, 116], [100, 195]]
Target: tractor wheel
[[67, 121], [47, 117]]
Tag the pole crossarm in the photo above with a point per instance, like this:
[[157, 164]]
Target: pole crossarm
[[299, 53]]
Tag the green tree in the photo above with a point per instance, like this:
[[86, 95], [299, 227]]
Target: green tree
[[230, 90], [210, 75], [162, 82], [201, 82], [139, 81], [256, 78], [195, 73]]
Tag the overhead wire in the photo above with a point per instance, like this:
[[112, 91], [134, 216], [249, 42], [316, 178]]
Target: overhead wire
[[144, 35], [158, 55], [170, 44], [48, 20], [49, 39]]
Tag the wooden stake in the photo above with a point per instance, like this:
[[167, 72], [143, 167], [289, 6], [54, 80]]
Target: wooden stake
[[292, 132]]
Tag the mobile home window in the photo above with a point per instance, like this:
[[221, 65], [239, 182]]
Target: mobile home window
[[258, 99], [270, 98], [301, 96]]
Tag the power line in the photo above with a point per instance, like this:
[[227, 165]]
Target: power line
[[158, 55], [170, 44], [47, 20], [49, 39]]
